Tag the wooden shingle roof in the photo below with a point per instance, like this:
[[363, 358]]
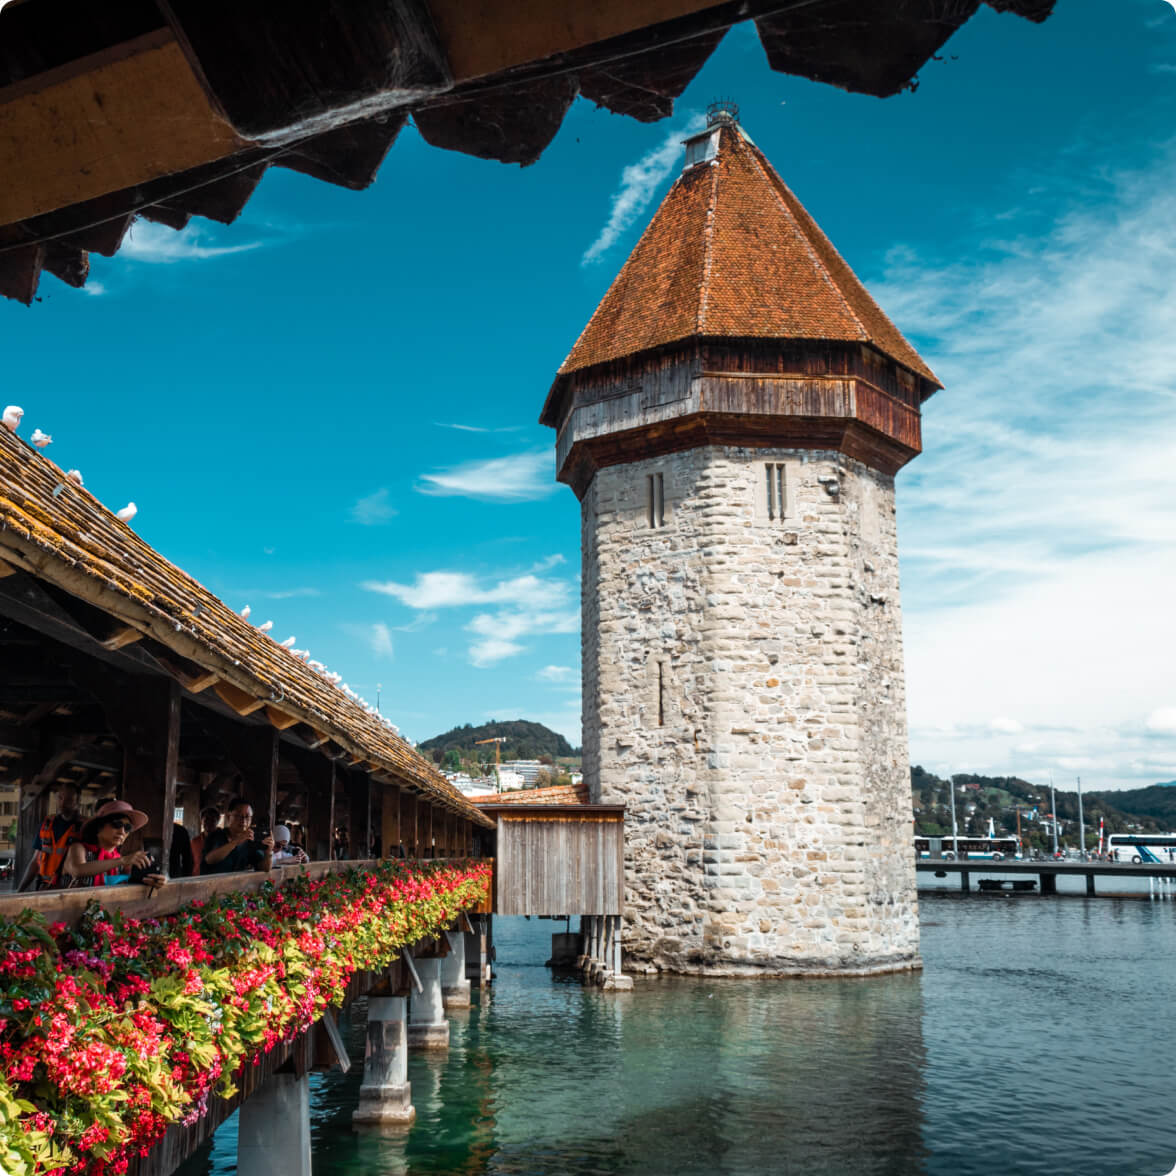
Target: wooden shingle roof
[[732, 253], [61, 534]]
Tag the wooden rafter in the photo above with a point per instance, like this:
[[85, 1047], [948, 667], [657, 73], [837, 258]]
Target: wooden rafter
[[241, 701]]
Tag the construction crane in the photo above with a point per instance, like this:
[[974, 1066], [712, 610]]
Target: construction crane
[[497, 740]]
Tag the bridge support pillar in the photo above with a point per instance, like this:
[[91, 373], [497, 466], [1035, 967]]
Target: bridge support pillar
[[1090, 883], [427, 1026], [1049, 883], [478, 951], [455, 988], [385, 1098], [273, 1133], [965, 881]]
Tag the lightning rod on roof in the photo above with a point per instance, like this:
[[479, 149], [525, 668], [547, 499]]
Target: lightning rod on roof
[[722, 110]]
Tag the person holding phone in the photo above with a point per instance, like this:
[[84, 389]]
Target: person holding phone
[[96, 858], [236, 847]]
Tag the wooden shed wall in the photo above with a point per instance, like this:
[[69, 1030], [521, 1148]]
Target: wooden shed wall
[[559, 865]]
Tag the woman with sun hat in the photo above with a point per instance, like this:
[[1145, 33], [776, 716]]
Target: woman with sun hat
[[96, 858]]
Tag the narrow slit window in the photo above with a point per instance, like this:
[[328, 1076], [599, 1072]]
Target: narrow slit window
[[655, 500], [776, 487], [661, 694]]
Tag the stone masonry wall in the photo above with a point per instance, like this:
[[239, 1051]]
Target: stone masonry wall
[[743, 695]]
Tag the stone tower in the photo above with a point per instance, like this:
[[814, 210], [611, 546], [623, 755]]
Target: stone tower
[[731, 420]]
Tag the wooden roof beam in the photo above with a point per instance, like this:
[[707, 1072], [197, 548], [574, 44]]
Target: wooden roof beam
[[124, 636], [239, 700], [102, 123], [281, 719]]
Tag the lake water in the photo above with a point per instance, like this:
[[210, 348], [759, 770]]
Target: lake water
[[1034, 1041]]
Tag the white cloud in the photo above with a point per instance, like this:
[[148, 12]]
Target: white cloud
[[381, 641], [1036, 529], [1162, 721], [1005, 725], [500, 632], [639, 182], [530, 607], [454, 589], [548, 562], [490, 650], [158, 244], [94, 289], [555, 673], [477, 428], [517, 478], [373, 510]]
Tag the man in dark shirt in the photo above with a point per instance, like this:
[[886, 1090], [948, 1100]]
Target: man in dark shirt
[[232, 849]]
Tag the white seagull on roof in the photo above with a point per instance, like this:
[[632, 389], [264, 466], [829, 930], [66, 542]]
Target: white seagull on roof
[[74, 476], [11, 418], [245, 613], [128, 512], [266, 626], [40, 440], [288, 643]]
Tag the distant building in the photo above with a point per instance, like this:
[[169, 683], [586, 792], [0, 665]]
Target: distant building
[[527, 770]]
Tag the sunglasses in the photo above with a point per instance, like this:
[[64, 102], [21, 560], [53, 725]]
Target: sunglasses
[[125, 826]]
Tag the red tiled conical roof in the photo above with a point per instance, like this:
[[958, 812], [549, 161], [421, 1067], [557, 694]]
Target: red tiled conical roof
[[732, 253]]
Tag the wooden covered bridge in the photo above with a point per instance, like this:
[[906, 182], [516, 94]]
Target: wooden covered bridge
[[126, 678], [123, 676]]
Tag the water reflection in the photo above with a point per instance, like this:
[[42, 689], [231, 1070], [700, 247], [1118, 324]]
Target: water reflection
[[1031, 1044]]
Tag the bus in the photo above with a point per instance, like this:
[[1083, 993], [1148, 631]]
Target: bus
[[1154, 848], [993, 849]]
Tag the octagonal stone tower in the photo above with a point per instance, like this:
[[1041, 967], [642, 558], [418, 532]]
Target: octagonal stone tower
[[731, 420]]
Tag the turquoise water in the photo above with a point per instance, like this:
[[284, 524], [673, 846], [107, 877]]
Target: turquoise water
[[1035, 1041]]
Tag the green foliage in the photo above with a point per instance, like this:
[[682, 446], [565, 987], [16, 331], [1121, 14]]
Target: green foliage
[[1155, 804], [998, 797], [524, 740]]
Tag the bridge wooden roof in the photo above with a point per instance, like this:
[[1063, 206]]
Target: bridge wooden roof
[[61, 534], [176, 109]]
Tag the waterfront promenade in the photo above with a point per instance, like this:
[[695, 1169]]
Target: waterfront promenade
[[1046, 872]]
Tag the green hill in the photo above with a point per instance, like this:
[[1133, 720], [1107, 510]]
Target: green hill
[[1157, 803], [524, 740], [979, 798]]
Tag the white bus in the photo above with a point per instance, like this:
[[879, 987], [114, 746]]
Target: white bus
[[1154, 848], [983, 848]]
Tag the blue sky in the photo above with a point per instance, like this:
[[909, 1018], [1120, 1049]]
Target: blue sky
[[328, 410]]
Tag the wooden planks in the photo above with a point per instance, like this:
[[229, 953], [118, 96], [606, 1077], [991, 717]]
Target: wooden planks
[[561, 863], [103, 123]]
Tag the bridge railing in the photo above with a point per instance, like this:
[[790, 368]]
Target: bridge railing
[[67, 906]]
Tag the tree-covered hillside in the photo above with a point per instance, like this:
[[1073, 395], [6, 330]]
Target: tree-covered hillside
[[1156, 803], [524, 740], [979, 798]]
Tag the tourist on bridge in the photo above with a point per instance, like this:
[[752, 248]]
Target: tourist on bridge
[[237, 847], [286, 854], [96, 857], [56, 835], [209, 823]]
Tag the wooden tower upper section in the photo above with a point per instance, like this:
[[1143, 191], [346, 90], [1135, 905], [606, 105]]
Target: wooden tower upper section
[[735, 322]]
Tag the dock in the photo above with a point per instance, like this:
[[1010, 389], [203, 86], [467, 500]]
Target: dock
[[1047, 872]]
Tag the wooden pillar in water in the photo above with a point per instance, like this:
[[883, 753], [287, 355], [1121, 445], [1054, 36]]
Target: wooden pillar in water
[[273, 1128], [385, 1098], [427, 1026], [455, 985]]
